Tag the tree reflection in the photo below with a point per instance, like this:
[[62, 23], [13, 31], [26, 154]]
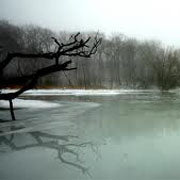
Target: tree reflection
[[62, 144]]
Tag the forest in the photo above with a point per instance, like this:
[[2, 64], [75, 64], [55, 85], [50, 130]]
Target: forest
[[120, 61]]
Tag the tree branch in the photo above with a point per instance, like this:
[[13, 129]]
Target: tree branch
[[77, 47]]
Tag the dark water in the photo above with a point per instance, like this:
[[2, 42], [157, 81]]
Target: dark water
[[127, 136]]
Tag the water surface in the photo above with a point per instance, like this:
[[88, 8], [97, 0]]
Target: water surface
[[126, 136]]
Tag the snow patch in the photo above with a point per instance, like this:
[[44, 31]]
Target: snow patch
[[79, 92], [20, 103]]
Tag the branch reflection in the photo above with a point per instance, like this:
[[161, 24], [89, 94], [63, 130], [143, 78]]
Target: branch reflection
[[62, 144]]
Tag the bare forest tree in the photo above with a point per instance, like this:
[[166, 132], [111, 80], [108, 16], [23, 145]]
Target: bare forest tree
[[75, 46]]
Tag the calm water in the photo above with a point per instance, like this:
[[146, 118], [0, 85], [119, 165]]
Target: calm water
[[122, 137]]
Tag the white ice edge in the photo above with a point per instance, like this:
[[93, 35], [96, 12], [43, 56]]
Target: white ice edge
[[78, 92], [20, 103]]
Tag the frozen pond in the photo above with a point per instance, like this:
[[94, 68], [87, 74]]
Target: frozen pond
[[132, 135]]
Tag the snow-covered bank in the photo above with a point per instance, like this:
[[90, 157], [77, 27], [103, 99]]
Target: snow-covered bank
[[78, 92], [20, 103]]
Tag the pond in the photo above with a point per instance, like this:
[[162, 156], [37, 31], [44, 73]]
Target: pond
[[132, 135]]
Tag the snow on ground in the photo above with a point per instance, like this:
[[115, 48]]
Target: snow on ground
[[77, 92], [20, 103]]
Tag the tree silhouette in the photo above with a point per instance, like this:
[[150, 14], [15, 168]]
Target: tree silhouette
[[75, 46]]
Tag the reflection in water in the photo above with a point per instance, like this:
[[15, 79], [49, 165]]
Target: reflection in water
[[62, 144], [137, 134]]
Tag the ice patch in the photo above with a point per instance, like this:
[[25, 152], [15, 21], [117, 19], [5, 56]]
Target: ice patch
[[30, 127], [20, 103]]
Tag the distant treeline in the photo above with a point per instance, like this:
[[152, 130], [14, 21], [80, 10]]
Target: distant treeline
[[120, 62]]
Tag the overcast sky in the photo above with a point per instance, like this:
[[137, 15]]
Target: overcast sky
[[144, 19]]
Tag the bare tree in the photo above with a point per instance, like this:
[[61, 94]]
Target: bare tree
[[75, 46], [163, 65], [167, 69]]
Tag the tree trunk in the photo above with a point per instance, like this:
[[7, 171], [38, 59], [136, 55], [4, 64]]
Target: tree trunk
[[12, 110], [84, 77]]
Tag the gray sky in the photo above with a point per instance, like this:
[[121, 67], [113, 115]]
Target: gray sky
[[144, 19]]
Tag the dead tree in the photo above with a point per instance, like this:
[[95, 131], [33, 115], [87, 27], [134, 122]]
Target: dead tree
[[76, 46]]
